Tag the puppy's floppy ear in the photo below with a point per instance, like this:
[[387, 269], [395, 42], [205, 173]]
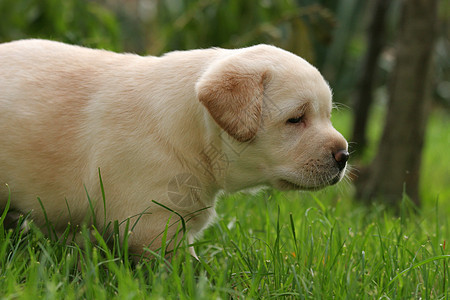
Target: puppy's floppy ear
[[232, 90]]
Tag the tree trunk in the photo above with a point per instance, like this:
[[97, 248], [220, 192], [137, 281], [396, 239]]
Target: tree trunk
[[397, 163], [364, 94]]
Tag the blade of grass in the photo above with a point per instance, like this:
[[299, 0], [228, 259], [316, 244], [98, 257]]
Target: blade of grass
[[183, 223], [431, 259], [5, 211]]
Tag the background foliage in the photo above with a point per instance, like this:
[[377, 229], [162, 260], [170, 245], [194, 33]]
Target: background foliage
[[329, 34], [77, 22]]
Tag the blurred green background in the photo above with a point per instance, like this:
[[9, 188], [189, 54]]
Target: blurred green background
[[329, 34], [332, 35]]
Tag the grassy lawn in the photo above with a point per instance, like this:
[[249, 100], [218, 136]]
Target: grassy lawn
[[265, 245]]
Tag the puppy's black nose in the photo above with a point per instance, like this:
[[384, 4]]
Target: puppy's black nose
[[341, 158]]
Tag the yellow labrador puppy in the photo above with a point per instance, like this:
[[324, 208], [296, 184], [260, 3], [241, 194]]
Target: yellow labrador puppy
[[174, 129]]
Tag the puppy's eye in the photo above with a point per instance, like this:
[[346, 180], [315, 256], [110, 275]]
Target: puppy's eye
[[295, 120]]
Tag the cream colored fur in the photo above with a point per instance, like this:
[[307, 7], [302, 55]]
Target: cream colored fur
[[219, 116]]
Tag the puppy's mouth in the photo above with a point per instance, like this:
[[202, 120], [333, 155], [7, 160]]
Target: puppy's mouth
[[285, 184]]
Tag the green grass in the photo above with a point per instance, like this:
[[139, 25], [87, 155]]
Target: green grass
[[264, 245]]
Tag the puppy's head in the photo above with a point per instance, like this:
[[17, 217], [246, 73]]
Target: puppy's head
[[281, 106]]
